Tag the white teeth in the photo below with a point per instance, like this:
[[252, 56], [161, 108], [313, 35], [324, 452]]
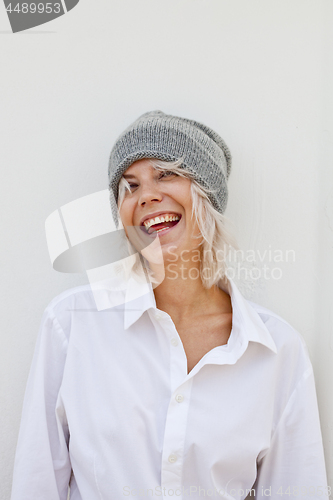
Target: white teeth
[[157, 220]]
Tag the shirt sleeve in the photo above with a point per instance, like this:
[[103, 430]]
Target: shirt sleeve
[[294, 465], [42, 466]]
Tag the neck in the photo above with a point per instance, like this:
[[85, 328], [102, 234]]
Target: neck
[[182, 295]]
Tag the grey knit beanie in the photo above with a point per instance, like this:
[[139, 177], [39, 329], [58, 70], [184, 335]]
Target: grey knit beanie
[[165, 137]]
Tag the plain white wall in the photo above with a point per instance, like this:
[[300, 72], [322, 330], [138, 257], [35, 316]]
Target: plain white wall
[[259, 72]]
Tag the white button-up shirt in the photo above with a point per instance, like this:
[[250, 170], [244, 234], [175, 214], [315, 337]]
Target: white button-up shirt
[[109, 397]]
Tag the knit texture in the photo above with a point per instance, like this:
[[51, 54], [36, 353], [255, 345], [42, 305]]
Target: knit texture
[[154, 134]]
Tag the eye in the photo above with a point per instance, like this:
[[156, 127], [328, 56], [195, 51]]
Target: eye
[[132, 186], [166, 173]]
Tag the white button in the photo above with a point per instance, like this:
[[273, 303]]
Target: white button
[[179, 398], [159, 315], [174, 341], [172, 458]]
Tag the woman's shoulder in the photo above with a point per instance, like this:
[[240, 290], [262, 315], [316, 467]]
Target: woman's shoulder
[[267, 314], [81, 299], [288, 340], [58, 312], [67, 299]]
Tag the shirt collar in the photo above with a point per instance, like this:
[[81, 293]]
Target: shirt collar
[[139, 297], [246, 322]]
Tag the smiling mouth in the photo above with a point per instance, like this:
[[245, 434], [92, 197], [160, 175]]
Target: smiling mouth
[[160, 223]]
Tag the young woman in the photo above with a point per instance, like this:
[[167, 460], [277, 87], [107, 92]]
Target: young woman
[[183, 388]]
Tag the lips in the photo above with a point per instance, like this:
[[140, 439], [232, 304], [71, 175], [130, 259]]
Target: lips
[[159, 223], [162, 226]]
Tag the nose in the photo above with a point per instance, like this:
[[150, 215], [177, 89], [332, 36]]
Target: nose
[[149, 194]]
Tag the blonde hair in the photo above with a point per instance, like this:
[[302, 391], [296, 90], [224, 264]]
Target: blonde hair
[[216, 237]]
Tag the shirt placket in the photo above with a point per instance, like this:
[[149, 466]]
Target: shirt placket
[[177, 413]]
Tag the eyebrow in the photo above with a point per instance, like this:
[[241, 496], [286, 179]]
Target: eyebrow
[[128, 176]]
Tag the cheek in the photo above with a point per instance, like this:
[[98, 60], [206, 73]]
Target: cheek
[[184, 197], [181, 193]]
